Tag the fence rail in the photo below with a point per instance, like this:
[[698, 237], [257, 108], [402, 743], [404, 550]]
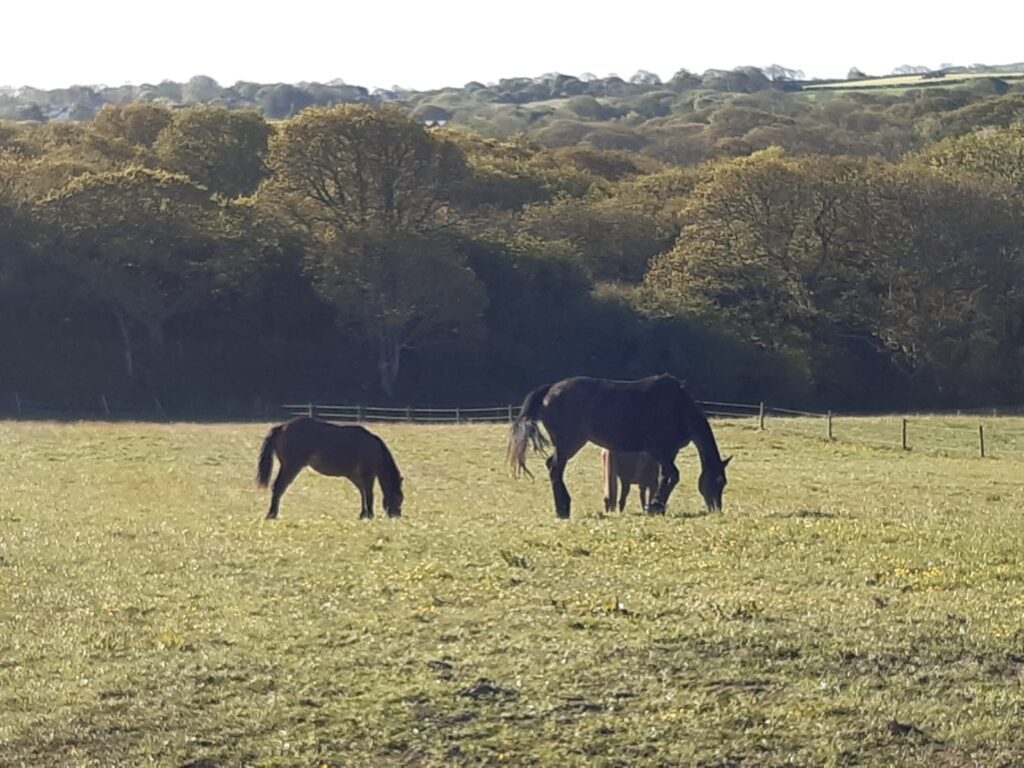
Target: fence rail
[[982, 432], [925, 433], [488, 414], [372, 413]]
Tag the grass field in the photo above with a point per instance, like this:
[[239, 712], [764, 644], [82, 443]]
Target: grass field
[[854, 605], [912, 81]]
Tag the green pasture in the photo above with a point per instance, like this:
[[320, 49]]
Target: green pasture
[[912, 81], [854, 604]]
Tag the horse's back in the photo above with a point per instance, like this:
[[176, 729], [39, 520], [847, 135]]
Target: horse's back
[[620, 415], [332, 449]]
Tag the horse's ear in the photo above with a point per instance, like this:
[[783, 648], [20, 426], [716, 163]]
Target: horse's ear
[[726, 462]]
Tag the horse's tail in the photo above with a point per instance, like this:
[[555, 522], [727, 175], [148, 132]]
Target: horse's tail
[[266, 462], [526, 432]]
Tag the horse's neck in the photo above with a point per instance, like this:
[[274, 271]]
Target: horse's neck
[[388, 473], [702, 436]]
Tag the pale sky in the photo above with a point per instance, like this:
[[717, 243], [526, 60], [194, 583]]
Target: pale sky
[[435, 43]]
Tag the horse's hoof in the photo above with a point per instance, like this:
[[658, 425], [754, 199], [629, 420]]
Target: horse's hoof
[[270, 517], [656, 508], [562, 515], [394, 516]]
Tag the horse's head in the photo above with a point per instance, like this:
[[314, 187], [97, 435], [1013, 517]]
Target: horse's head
[[712, 483], [393, 498]]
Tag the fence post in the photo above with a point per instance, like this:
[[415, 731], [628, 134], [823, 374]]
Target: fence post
[[829, 428], [760, 417], [17, 404], [159, 408], [106, 406], [408, 413], [905, 447], [312, 411], [981, 439], [509, 412], [359, 413], [458, 416]]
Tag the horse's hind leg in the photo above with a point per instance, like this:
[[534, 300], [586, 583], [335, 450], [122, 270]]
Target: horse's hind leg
[[623, 496], [285, 475], [556, 470]]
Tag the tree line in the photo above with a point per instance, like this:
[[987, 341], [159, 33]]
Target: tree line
[[352, 251]]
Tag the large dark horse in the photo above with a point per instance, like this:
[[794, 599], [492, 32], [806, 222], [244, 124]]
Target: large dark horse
[[655, 414], [348, 451], [628, 469]]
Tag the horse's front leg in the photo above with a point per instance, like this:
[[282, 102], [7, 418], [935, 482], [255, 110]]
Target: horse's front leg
[[366, 492], [668, 476]]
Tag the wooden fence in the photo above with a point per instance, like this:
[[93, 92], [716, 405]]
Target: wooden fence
[[504, 413], [981, 433], [922, 433], [374, 413]]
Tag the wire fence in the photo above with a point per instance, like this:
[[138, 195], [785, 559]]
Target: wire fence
[[982, 433], [947, 435]]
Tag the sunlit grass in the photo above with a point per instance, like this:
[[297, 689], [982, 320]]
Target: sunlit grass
[[910, 81], [854, 605]]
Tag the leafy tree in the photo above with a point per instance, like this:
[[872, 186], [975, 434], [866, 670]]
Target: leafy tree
[[684, 80], [655, 104], [222, 150], [769, 248], [739, 80], [145, 245], [506, 175], [368, 186], [14, 202], [356, 167], [777, 72], [802, 254], [282, 100], [590, 108], [201, 90], [615, 240], [400, 292], [138, 125], [946, 293], [645, 78], [994, 153], [125, 135], [431, 113], [613, 165]]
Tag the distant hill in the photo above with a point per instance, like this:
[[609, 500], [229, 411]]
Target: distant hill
[[644, 95]]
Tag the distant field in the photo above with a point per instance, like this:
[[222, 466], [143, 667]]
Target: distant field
[[911, 81], [855, 604]]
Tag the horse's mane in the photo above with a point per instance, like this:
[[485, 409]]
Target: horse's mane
[[700, 428]]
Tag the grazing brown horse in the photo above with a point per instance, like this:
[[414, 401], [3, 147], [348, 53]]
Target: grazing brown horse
[[628, 469], [656, 415], [348, 451]]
